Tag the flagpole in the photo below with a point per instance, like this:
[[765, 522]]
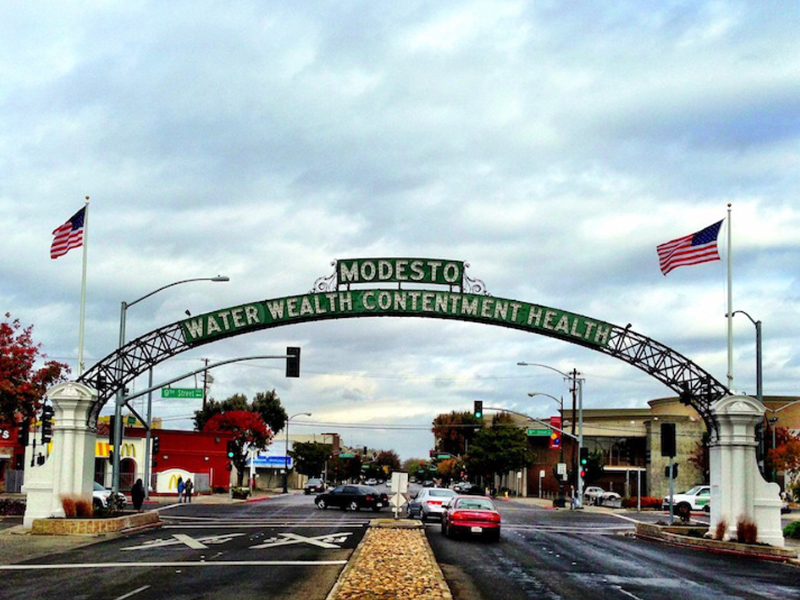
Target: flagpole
[[83, 287], [730, 306]]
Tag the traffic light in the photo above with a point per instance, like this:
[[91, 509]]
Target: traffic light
[[478, 410], [156, 446], [292, 362], [111, 425], [22, 434], [555, 436], [668, 442], [584, 460], [674, 471], [231, 449], [47, 424]]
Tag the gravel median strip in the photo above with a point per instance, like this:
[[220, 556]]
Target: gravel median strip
[[393, 561]]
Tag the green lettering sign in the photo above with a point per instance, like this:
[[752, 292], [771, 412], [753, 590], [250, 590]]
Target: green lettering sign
[[399, 270], [539, 432], [419, 303], [181, 392]]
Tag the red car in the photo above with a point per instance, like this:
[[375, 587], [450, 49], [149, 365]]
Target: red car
[[473, 515]]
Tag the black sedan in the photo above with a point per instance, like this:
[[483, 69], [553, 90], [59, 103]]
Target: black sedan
[[352, 497]]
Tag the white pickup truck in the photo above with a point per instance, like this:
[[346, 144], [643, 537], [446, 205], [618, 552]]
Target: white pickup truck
[[697, 498]]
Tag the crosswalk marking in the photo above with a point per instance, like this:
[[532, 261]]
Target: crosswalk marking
[[183, 539], [328, 541]]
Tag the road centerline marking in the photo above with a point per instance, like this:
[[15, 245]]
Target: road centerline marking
[[133, 593]]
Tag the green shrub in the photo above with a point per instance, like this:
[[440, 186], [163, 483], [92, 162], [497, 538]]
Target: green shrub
[[792, 530], [240, 492], [12, 507], [647, 502]]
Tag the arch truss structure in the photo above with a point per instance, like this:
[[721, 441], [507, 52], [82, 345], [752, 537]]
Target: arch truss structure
[[352, 292]]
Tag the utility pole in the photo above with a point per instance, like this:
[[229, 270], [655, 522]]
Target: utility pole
[[206, 383], [574, 390]]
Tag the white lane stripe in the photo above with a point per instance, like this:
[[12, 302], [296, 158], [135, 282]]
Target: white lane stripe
[[202, 526], [133, 593], [221, 563]]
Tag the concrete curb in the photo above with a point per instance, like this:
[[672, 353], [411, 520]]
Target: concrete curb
[[663, 534], [383, 554]]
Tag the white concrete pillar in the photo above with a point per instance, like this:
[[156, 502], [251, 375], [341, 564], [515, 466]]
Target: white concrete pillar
[[737, 487], [69, 469]]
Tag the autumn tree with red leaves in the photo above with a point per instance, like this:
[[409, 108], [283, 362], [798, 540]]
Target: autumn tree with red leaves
[[249, 431], [22, 385]]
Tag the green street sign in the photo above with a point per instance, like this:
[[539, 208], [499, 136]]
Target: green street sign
[[346, 455], [181, 392], [444, 456], [544, 432]]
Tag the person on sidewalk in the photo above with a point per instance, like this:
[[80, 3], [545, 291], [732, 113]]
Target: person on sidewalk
[[573, 499], [188, 490], [181, 489], [137, 495]]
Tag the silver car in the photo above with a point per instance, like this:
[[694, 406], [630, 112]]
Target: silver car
[[428, 503]]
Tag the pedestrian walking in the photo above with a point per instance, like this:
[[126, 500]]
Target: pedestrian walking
[[188, 490], [181, 489], [573, 499], [137, 495]]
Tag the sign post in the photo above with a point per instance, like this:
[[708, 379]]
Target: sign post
[[400, 487]]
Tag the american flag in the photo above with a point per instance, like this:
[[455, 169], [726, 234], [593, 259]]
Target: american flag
[[692, 249], [69, 235]]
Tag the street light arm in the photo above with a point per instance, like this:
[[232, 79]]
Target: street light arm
[[793, 402], [752, 320], [532, 394], [195, 372], [218, 278], [527, 364]]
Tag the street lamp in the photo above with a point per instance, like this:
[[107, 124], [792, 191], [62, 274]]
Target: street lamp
[[561, 412], [286, 457], [578, 383], [121, 391], [759, 381]]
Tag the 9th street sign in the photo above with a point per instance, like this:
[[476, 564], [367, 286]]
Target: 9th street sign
[[181, 392]]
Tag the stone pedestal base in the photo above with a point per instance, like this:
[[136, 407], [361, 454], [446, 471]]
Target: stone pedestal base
[[68, 470], [738, 491]]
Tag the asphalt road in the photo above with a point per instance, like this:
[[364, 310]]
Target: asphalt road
[[278, 548], [548, 554]]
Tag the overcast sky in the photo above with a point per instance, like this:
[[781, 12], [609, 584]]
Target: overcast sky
[[551, 145]]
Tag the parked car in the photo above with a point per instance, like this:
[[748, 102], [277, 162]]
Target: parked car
[[352, 497], [697, 498], [314, 486], [428, 503], [428, 483], [612, 499], [592, 494], [101, 498], [469, 489], [785, 508], [473, 515], [372, 482]]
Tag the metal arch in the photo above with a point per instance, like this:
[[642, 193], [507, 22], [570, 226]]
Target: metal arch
[[693, 385], [134, 358]]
